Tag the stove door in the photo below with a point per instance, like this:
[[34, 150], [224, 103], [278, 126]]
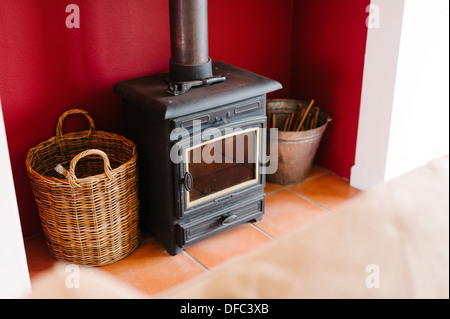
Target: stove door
[[221, 165]]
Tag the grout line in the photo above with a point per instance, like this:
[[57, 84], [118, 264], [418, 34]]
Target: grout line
[[315, 176], [311, 201], [305, 180], [195, 260], [34, 236], [278, 190], [262, 231]]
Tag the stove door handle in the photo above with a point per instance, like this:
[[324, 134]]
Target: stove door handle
[[188, 181]]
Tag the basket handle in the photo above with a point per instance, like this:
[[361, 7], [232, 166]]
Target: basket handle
[[59, 127], [73, 180]]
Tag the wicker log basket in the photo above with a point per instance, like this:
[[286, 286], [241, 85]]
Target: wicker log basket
[[88, 205]]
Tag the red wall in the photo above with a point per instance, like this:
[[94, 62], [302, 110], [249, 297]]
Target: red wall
[[315, 48], [254, 35], [328, 45], [46, 68]]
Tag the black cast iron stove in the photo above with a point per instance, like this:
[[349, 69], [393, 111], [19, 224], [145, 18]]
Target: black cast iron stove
[[200, 134]]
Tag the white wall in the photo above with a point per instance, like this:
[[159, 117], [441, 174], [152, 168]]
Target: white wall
[[14, 277], [405, 101], [420, 118]]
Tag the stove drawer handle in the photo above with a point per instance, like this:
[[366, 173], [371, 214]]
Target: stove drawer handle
[[188, 181], [228, 219]]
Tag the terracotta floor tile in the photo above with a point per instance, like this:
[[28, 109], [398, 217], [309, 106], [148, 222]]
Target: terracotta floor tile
[[329, 191], [151, 269], [315, 171], [145, 235], [270, 188], [286, 211], [38, 255], [221, 247]]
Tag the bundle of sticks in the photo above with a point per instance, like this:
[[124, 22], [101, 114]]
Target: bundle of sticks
[[301, 119]]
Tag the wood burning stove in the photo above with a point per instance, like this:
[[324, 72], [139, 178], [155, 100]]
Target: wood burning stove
[[201, 141]]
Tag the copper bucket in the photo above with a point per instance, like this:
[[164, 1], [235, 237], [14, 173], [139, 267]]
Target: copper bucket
[[296, 150]]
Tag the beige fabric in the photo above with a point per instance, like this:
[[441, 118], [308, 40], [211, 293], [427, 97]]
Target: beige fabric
[[401, 227], [68, 281]]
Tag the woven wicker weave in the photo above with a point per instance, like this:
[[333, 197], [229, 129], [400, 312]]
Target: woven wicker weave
[[91, 217]]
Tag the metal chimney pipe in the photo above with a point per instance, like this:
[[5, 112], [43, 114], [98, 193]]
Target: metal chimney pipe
[[189, 41]]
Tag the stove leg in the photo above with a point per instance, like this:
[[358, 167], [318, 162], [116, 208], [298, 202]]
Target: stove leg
[[173, 251], [257, 218]]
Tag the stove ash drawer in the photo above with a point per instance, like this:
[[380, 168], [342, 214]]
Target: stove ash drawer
[[210, 224]]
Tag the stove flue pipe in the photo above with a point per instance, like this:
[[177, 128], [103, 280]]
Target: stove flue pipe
[[189, 41]]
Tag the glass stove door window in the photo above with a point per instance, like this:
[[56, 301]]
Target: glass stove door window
[[223, 165]]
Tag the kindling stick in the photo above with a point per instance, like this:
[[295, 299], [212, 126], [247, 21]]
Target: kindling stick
[[305, 115], [290, 121], [316, 116], [286, 122]]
